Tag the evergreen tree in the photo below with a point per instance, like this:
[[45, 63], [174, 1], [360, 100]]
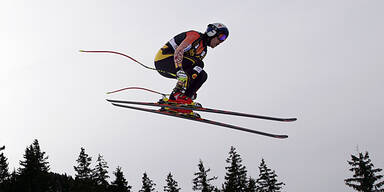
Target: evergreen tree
[[201, 182], [33, 175], [83, 171], [365, 176], [4, 172], [236, 176], [267, 181], [148, 184], [35, 160], [120, 184], [100, 173], [172, 185], [251, 185]]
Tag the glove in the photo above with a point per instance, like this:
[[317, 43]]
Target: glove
[[181, 75], [182, 78]]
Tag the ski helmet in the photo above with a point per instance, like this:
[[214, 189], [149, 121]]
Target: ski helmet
[[217, 29]]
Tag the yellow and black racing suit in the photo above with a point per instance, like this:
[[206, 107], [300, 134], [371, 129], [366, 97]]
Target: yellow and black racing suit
[[192, 63]]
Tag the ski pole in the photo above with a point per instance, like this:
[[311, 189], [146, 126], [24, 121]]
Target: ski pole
[[118, 53]]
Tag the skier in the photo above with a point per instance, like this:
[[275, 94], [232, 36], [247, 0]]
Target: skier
[[183, 56]]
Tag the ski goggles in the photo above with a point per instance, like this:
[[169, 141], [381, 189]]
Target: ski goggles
[[222, 37]]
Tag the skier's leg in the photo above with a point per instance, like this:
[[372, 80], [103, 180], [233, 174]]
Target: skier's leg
[[196, 82], [196, 76], [164, 64]]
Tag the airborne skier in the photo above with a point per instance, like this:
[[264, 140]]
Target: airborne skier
[[181, 58], [183, 55]]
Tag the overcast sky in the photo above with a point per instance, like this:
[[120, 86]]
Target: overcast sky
[[319, 61]]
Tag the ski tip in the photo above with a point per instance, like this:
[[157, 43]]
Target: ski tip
[[117, 105], [81, 51], [111, 101]]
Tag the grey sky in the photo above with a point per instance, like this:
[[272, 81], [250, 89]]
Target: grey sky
[[321, 61]]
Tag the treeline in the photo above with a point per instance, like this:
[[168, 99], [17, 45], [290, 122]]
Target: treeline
[[34, 176]]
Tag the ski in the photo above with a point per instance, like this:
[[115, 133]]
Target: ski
[[203, 109], [165, 112]]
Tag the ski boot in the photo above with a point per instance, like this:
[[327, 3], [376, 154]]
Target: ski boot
[[178, 97]]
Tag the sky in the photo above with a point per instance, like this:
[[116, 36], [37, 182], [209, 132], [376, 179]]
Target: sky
[[319, 61]]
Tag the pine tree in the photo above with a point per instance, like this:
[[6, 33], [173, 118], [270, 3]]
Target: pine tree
[[33, 175], [100, 173], [365, 176], [148, 184], [120, 184], [4, 172], [267, 181], [35, 160], [172, 185], [236, 176], [201, 182], [83, 171]]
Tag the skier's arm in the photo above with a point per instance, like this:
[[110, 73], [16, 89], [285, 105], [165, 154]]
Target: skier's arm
[[179, 52]]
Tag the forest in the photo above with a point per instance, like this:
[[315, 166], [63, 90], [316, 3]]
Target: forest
[[34, 175]]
